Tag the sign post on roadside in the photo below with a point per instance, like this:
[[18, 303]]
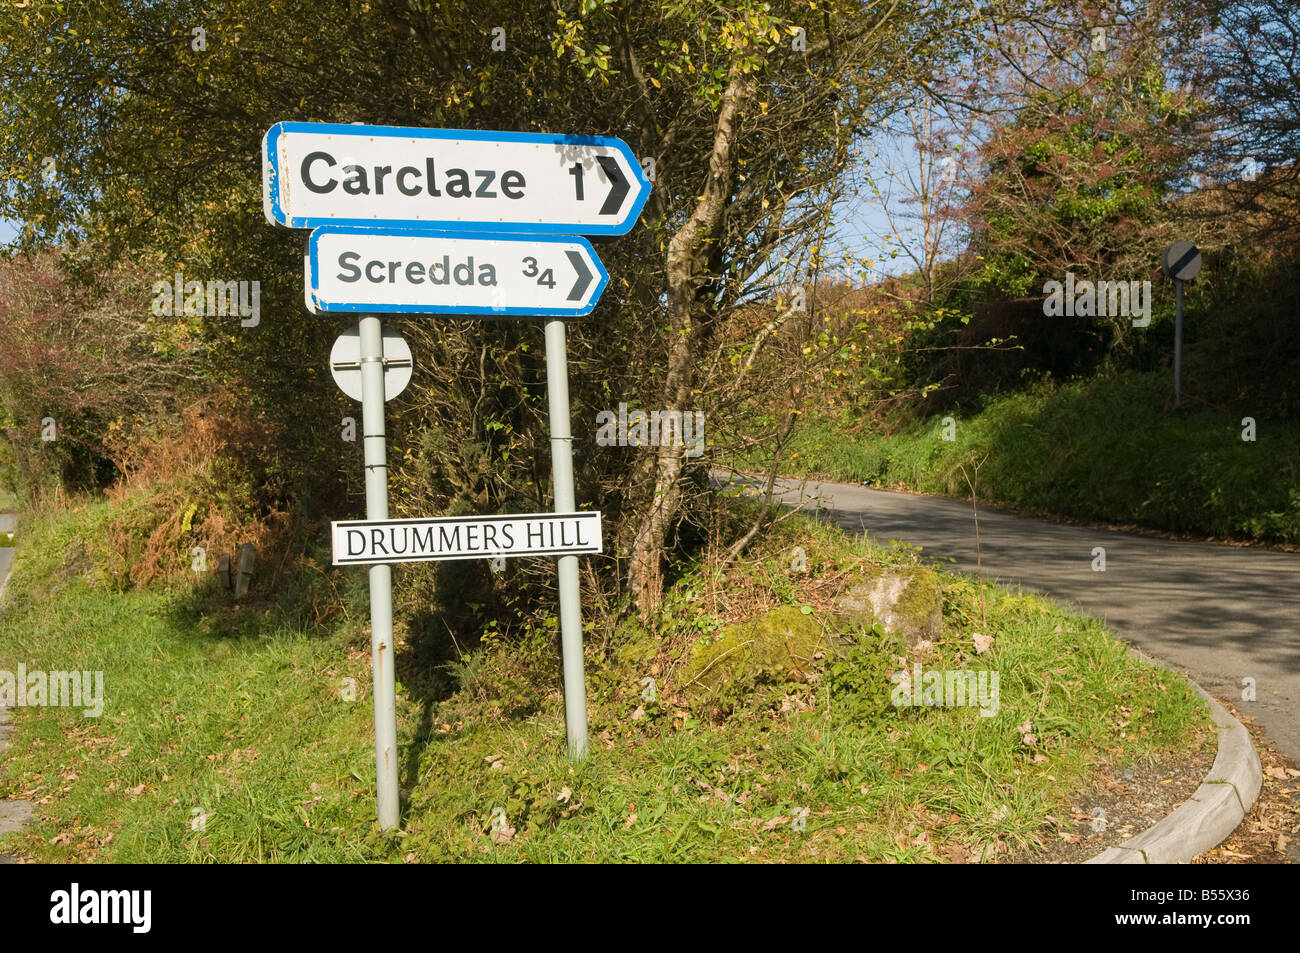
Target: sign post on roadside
[[460, 222], [412, 272], [453, 179], [381, 575], [1181, 261]]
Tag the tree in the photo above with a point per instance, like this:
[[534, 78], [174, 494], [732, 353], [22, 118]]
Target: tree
[[1073, 181], [1244, 66], [154, 114]]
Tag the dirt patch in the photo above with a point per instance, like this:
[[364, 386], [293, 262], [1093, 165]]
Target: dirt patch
[[1118, 805], [1270, 833]]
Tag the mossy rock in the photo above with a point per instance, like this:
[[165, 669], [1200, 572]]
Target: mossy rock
[[905, 600], [775, 643]]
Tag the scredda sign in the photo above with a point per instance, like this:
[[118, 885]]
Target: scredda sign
[[472, 537], [398, 176], [431, 272]]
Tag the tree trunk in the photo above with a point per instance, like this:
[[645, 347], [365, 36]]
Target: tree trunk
[[688, 251]]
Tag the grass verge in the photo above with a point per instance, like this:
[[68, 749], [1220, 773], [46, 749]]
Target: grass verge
[[228, 733]]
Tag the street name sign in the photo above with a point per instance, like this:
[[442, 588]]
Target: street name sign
[[433, 272], [317, 174], [465, 537]]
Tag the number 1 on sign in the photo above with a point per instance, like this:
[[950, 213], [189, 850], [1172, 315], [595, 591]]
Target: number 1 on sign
[[576, 172]]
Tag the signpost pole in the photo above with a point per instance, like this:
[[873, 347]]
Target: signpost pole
[[557, 391], [1178, 341], [1181, 261], [381, 576]]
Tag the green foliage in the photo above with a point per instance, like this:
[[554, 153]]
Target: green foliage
[[1108, 449], [857, 681], [248, 727], [1080, 174]]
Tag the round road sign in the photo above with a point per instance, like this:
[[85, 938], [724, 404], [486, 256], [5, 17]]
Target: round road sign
[[1181, 261], [345, 363]]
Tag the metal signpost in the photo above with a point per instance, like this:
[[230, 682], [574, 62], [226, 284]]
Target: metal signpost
[[448, 221], [1181, 261]]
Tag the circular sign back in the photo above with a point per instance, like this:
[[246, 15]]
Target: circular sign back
[[345, 363]]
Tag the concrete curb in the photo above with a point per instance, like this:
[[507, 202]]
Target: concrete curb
[[14, 814], [1213, 811]]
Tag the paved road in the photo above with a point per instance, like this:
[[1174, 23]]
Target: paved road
[[1218, 613], [13, 814], [8, 524]]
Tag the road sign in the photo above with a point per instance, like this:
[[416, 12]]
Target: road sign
[[472, 537], [430, 272], [345, 362], [403, 177], [1181, 261]]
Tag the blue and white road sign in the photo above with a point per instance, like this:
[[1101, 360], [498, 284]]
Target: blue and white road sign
[[378, 271], [317, 174]]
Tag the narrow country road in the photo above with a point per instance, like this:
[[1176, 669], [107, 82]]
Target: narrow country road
[[13, 814], [8, 523], [1221, 614]]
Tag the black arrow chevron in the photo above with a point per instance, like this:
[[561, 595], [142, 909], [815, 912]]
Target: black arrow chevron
[[619, 186], [585, 275]]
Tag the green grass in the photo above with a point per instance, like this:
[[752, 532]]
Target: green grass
[[1107, 449], [8, 501], [238, 714]]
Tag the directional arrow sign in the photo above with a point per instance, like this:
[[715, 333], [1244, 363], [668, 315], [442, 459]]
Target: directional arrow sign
[[426, 272], [396, 176], [465, 537]]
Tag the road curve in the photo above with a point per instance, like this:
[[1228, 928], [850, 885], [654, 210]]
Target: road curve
[[1221, 614]]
